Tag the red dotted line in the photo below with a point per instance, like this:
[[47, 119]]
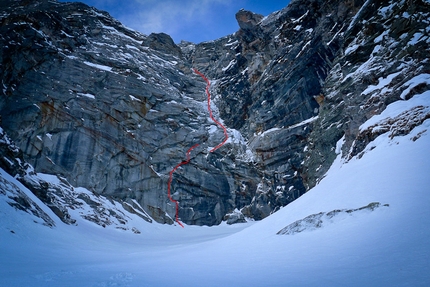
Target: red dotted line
[[169, 183], [208, 84]]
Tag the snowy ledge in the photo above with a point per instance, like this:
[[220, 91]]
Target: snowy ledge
[[315, 221]]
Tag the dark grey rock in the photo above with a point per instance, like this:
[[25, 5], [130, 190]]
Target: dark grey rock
[[235, 217], [248, 20], [319, 220], [163, 43]]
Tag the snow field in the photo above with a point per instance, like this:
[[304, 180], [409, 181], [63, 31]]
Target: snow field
[[385, 247]]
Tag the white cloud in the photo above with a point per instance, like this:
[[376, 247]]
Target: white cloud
[[170, 16]]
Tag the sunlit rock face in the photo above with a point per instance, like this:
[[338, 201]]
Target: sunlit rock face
[[114, 111]]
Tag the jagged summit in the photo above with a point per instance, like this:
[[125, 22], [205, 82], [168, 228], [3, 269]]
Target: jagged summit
[[247, 19], [112, 110]]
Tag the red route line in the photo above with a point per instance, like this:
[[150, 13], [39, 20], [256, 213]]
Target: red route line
[[208, 84], [169, 183]]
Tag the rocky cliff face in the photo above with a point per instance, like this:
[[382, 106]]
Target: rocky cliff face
[[112, 110], [383, 58]]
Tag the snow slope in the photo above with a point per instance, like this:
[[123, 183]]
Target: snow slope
[[385, 247]]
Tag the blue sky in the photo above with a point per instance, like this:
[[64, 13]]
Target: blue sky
[[191, 20]]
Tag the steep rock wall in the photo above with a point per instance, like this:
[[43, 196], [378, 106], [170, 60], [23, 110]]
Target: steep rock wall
[[114, 111], [383, 55], [269, 81]]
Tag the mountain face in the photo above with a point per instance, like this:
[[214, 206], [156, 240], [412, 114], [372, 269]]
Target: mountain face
[[106, 108]]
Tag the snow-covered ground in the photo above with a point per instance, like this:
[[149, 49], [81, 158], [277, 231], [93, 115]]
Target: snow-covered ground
[[388, 246]]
